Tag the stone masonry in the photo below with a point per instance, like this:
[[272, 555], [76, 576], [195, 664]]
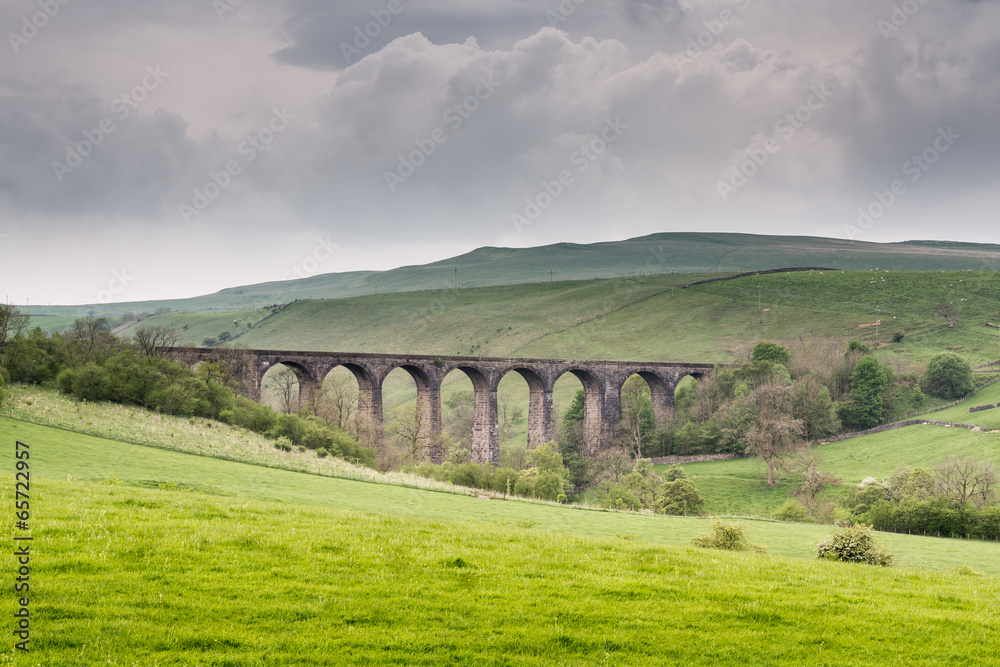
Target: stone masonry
[[602, 383]]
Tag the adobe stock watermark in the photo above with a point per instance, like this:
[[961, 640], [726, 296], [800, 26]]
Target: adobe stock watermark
[[322, 252], [758, 155], [581, 159], [122, 107], [248, 150], [119, 282], [914, 169], [364, 34], [707, 38], [223, 7], [900, 16], [562, 13], [454, 118], [35, 23]]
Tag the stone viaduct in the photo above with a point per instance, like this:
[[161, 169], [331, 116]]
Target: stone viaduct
[[602, 383]]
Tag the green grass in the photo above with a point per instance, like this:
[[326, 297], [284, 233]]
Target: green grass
[[129, 576], [643, 318], [738, 486], [59, 454], [685, 253]]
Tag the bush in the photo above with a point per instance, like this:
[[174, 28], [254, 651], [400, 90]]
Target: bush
[[770, 352], [854, 544], [727, 536], [792, 510], [948, 376], [681, 498]]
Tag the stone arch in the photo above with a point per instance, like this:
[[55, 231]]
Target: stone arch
[[428, 407], [661, 393], [594, 422], [541, 419], [368, 398], [300, 397]]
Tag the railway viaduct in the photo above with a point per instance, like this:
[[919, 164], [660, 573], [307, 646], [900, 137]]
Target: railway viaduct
[[602, 383]]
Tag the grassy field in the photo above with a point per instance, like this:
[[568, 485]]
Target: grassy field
[[738, 487], [644, 318], [130, 576], [60, 455]]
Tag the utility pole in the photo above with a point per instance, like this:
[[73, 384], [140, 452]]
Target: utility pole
[[456, 277], [758, 298], [876, 325], [671, 283], [550, 275]]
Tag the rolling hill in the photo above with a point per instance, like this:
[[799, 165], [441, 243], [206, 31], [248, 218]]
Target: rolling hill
[[682, 252]]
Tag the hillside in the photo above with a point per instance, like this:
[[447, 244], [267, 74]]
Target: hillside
[[217, 562], [682, 252], [648, 318]]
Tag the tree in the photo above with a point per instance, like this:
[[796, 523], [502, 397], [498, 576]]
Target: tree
[[812, 404], [90, 331], [946, 309], [508, 417], [149, 338], [868, 381], [964, 480], [638, 423], [339, 401], [814, 480], [948, 376], [412, 429], [13, 323], [770, 352], [772, 436], [458, 417], [681, 498], [287, 385]]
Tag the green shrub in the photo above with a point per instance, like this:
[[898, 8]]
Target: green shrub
[[854, 544], [792, 510], [770, 352], [681, 498], [948, 376], [674, 473], [727, 536]]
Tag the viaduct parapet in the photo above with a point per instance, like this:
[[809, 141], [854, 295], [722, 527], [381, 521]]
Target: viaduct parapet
[[602, 383]]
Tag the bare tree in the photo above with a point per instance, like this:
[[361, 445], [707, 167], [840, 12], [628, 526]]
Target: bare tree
[[13, 323], [90, 332], [964, 479], [149, 338], [339, 401], [772, 435], [411, 428], [287, 385], [509, 416], [814, 480], [946, 309]]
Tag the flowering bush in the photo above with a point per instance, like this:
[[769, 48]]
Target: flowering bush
[[854, 544]]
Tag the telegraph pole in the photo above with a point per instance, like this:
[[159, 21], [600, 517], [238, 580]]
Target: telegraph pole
[[456, 277], [758, 298], [876, 326]]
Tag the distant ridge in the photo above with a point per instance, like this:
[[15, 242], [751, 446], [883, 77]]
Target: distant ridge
[[681, 252]]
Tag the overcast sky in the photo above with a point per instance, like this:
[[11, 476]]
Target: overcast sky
[[153, 150]]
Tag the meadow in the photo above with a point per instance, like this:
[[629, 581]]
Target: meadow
[[129, 576], [646, 318]]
